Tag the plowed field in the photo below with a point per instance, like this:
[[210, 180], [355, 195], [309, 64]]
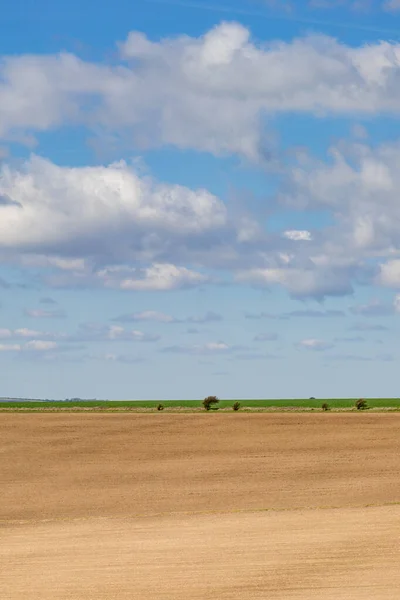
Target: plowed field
[[199, 506]]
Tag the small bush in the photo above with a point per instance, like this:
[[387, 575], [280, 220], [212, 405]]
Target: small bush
[[160, 406], [325, 406], [210, 402], [361, 404], [236, 406]]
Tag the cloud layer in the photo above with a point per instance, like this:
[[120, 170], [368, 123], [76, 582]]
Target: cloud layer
[[112, 226], [210, 93]]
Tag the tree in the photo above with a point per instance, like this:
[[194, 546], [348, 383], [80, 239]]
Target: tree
[[325, 406], [236, 406], [361, 404], [210, 401]]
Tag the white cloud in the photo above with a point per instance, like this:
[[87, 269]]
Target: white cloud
[[86, 227], [55, 206], [94, 332], [70, 221], [209, 93], [358, 186], [31, 346], [300, 282], [157, 277], [162, 277], [297, 235], [314, 344], [24, 333], [119, 333], [389, 274], [10, 347], [40, 345], [396, 303], [111, 226], [119, 358]]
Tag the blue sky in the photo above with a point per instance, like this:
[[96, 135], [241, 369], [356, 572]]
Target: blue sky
[[199, 198]]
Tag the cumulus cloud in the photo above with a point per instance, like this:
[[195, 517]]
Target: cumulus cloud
[[357, 184], [209, 92], [314, 344], [40, 345], [396, 303], [158, 277], [118, 358], [34, 344], [297, 235], [53, 344], [111, 226], [31, 346], [95, 332], [300, 282], [10, 347], [389, 274], [147, 315], [61, 206], [24, 333], [162, 277]]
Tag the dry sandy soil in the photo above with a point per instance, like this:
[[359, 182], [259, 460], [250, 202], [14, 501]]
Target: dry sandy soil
[[199, 506]]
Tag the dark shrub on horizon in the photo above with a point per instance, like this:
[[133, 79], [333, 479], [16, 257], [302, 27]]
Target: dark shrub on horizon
[[361, 404], [210, 402]]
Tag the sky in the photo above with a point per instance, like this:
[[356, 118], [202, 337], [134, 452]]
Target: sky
[[199, 198]]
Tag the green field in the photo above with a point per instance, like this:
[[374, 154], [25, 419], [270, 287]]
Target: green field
[[305, 404]]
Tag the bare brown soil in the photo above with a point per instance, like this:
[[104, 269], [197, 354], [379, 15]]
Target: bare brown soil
[[199, 506]]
